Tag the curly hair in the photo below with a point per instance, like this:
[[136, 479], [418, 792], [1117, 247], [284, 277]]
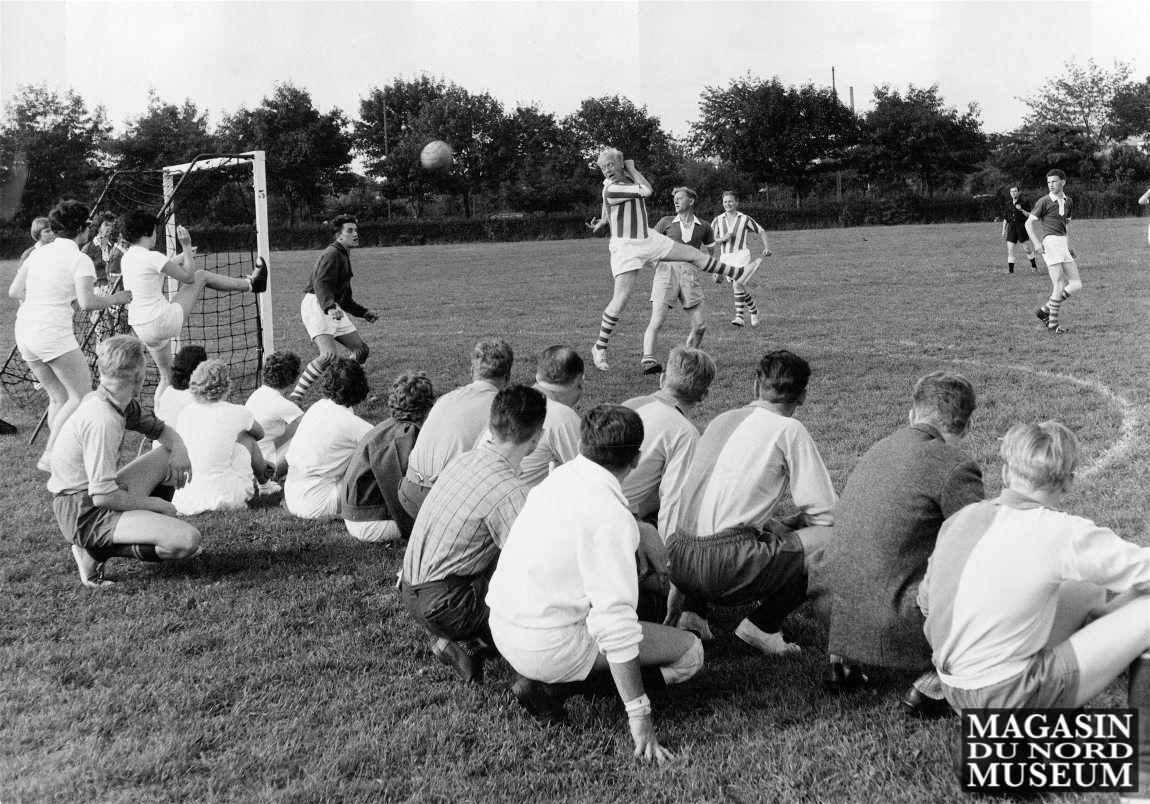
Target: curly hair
[[491, 360], [345, 382], [411, 397], [211, 381], [281, 369], [69, 218], [184, 363]]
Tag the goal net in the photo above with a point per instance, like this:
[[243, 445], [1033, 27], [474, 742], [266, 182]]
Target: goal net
[[222, 200]]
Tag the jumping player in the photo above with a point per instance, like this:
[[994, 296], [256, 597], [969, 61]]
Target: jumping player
[[677, 281], [327, 301], [1052, 212], [731, 230], [634, 243], [155, 319], [1014, 230]]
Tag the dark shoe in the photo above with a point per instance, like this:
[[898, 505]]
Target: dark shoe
[[842, 679], [651, 367], [544, 702], [1042, 313], [916, 705], [259, 277], [467, 665]]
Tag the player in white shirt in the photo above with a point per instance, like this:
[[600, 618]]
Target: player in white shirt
[[155, 319], [732, 230], [46, 283]]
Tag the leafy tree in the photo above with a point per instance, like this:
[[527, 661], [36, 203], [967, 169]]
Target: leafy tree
[[308, 151], [614, 121], [1027, 153], [545, 170], [916, 137], [165, 134], [61, 142], [1130, 111], [778, 134], [386, 115], [1081, 98]]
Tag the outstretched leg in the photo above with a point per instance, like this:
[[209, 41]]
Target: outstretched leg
[[355, 345], [681, 252]]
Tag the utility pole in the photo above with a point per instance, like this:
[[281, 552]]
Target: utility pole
[[386, 149]]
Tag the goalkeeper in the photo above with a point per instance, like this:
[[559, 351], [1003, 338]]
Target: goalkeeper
[[327, 301]]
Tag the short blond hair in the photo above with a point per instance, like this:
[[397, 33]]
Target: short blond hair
[[689, 374], [38, 227], [612, 152], [1044, 455], [120, 357]]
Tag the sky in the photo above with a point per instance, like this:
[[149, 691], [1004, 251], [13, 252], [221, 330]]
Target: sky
[[223, 55]]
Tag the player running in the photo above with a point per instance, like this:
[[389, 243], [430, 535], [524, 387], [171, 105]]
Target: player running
[[1052, 212], [634, 243], [731, 230]]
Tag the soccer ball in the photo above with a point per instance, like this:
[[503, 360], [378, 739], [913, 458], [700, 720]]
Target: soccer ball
[[436, 155]]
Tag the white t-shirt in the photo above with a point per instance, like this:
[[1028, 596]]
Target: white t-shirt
[[320, 451], [171, 403], [141, 271], [274, 412], [221, 468], [50, 287]]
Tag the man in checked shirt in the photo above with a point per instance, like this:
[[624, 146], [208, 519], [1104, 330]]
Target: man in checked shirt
[[461, 527]]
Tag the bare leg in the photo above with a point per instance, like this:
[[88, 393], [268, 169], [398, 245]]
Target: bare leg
[[162, 356], [658, 313], [681, 252], [355, 345], [1108, 645], [661, 646], [698, 326], [57, 399]]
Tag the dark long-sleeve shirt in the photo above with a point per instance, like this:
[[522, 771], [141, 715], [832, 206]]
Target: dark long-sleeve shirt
[[331, 281], [371, 482]]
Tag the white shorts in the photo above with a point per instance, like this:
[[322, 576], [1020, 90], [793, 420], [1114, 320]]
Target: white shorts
[[629, 255], [157, 332], [42, 342], [1056, 249], [571, 660], [374, 530], [317, 323]]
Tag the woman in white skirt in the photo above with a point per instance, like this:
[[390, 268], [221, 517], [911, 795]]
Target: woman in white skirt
[[325, 442], [48, 281], [221, 440]]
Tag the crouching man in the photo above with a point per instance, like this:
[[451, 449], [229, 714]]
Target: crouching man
[[564, 594], [107, 513], [461, 527]]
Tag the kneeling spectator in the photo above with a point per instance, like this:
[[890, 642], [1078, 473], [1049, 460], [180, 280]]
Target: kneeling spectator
[[894, 502], [221, 442], [104, 512], [564, 593], [176, 396], [372, 511], [324, 443], [461, 527], [274, 411], [1013, 579]]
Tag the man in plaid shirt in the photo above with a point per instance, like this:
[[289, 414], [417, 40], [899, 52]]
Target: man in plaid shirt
[[461, 527]]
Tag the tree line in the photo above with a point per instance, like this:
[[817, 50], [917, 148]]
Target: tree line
[[754, 135]]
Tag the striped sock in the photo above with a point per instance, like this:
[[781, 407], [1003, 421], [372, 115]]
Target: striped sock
[[740, 304], [313, 372], [751, 308], [606, 327], [713, 266], [1052, 307]]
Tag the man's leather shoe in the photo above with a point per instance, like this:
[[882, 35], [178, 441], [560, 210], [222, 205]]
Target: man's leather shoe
[[841, 679], [544, 702], [467, 665], [916, 705]]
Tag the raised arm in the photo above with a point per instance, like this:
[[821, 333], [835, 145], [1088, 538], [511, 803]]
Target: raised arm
[[638, 177], [1145, 199], [183, 267]]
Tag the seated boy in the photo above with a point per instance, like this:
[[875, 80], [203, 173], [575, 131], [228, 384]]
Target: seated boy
[[104, 512], [1012, 580], [727, 548], [461, 527]]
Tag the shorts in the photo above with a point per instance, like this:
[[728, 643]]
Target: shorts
[[629, 255], [676, 281], [318, 323], [86, 524], [160, 330], [572, 658], [44, 343], [373, 530], [1016, 233], [1056, 249], [1049, 681]]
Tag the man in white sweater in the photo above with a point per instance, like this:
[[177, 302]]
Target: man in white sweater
[[564, 593]]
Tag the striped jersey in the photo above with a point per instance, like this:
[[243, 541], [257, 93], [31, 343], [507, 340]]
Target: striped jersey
[[741, 226], [626, 209]]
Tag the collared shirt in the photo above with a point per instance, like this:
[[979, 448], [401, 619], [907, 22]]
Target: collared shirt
[[991, 587], [1053, 212], [656, 484], [698, 236], [743, 463], [331, 281], [626, 209], [558, 444], [465, 518], [686, 226], [87, 449], [741, 226], [452, 427], [569, 563], [1015, 211]]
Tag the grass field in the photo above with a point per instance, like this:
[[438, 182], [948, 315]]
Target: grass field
[[280, 666]]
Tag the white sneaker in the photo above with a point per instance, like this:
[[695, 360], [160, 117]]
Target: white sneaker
[[737, 321], [770, 644], [268, 488], [754, 319], [689, 621], [599, 357]]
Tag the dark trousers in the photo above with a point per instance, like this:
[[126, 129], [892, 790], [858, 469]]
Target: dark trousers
[[740, 566], [411, 497], [453, 608]]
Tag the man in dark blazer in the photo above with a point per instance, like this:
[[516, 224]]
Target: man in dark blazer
[[895, 500]]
